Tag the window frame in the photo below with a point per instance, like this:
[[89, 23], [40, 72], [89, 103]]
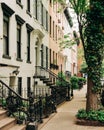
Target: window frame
[[28, 46], [20, 86], [18, 41], [6, 36], [46, 20], [28, 86], [28, 6], [29, 30], [20, 22], [7, 13]]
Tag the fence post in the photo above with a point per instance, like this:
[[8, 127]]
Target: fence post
[[46, 105], [40, 109], [71, 91], [31, 107], [68, 92], [33, 124]]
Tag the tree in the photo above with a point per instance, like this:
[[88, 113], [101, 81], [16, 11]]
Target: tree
[[94, 50], [90, 17]]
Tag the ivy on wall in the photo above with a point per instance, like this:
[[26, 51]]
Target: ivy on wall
[[94, 43]]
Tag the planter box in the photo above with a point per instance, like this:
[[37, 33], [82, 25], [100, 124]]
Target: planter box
[[89, 122]]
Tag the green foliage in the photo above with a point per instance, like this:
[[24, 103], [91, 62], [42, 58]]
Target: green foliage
[[61, 80], [77, 82], [66, 42], [81, 114], [3, 102], [81, 82], [102, 69], [84, 68], [95, 115], [94, 43], [74, 82]]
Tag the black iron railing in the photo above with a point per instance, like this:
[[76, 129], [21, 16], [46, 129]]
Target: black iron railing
[[15, 105], [47, 73], [60, 93], [25, 110]]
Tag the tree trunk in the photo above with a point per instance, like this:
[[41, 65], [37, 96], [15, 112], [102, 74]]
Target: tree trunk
[[92, 101]]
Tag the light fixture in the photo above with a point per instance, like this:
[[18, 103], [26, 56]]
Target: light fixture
[[16, 72]]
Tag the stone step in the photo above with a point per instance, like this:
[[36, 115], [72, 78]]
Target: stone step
[[7, 123], [18, 127], [2, 114]]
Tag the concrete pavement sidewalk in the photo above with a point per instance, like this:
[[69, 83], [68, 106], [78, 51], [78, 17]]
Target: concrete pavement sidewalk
[[65, 118]]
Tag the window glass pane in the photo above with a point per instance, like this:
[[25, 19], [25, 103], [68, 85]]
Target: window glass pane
[[5, 28], [28, 86], [5, 35], [18, 33], [20, 85], [28, 46], [35, 8], [28, 5], [4, 45], [28, 38]]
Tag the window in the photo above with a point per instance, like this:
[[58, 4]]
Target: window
[[53, 56], [6, 36], [50, 24], [7, 13], [20, 22], [50, 55], [44, 17], [28, 86], [42, 53], [28, 5], [18, 41], [56, 58], [29, 29], [28, 46], [41, 13], [20, 86], [47, 20], [47, 57], [53, 29], [56, 32], [36, 9]]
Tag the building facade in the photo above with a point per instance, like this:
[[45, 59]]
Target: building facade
[[29, 37], [24, 39]]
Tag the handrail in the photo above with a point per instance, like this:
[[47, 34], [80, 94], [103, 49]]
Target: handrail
[[13, 91], [28, 110], [52, 73]]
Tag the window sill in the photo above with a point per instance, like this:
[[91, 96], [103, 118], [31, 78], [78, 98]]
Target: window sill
[[19, 4], [6, 56], [29, 62], [19, 59]]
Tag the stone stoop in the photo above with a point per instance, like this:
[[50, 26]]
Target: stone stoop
[[8, 123]]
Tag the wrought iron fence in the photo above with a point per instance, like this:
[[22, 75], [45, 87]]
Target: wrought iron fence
[[40, 103]]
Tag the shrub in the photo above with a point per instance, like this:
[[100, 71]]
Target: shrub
[[3, 102], [74, 82], [61, 80], [94, 115], [81, 82]]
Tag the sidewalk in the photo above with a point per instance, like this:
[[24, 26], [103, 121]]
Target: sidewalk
[[65, 118]]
